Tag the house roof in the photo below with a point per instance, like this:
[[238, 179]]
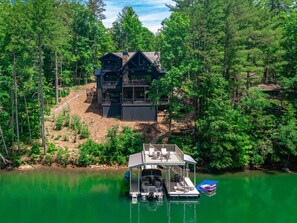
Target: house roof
[[153, 57]]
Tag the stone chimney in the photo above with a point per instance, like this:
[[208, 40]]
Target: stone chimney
[[125, 57]]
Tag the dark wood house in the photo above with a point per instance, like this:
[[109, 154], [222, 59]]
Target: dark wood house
[[123, 84]]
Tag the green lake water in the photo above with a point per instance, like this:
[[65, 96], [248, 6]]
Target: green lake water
[[63, 195]]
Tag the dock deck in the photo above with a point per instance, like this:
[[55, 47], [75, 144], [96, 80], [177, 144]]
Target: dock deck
[[171, 160], [186, 189], [173, 189]]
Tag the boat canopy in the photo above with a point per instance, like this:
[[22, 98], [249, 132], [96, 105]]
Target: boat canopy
[[135, 160], [189, 159]]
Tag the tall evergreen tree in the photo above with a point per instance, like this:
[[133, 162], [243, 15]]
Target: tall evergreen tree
[[172, 40], [42, 14], [97, 8], [289, 71], [129, 34]]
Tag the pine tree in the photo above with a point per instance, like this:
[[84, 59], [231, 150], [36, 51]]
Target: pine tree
[[129, 34], [97, 8], [172, 40], [289, 74], [42, 15]]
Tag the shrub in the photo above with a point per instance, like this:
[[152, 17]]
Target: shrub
[[57, 137], [63, 157], [33, 158], [83, 160], [65, 92], [66, 138], [35, 149], [84, 132], [76, 123], [118, 146], [59, 122], [48, 159], [65, 111], [67, 120], [92, 148], [51, 148]]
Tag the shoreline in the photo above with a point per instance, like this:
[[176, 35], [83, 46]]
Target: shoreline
[[99, 167], [25, 167]]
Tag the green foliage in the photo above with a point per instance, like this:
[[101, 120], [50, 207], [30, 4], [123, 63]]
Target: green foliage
[[57, 137], [48, 159], [59, 121], [51, 148], [172, 39], [118, 145], [289, 74], [35, 150], [285, 139], [83, 160], [215, 51], [260, 125], [68, 32], [74, 123], [222, 142], [84, 131], [128, 32], [67, 120], [66, 138], [62, 157]]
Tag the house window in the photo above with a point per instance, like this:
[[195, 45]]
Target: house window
[[139, 94]]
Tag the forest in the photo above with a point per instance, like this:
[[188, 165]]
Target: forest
[[231, 67]]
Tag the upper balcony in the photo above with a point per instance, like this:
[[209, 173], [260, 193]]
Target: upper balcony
[[135, 83], [111, 84]]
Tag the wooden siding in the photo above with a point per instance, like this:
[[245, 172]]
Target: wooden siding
[[145, 113]]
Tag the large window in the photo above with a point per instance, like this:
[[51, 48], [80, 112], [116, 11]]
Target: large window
[[128, 93], [111, 64], [110, 77], [139, 93], [112, 97]]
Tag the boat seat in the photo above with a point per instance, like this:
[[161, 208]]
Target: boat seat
[[157, 183]]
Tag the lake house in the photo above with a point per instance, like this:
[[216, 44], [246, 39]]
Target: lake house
[[123, 85]]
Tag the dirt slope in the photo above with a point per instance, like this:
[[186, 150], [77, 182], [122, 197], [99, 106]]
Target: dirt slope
[[98, 125]]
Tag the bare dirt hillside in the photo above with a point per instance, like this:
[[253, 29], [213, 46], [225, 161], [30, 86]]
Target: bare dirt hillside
[[76, 103]]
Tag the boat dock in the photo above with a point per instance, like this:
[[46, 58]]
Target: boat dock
[[174, 165]]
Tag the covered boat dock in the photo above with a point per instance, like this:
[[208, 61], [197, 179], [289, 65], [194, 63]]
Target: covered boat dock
[[174, 165]]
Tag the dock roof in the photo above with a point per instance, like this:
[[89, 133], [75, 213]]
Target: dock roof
[[135, 160], [174, 157]]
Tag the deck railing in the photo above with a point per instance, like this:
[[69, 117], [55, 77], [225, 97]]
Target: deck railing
[[135, 82], [136, 101], [109, 83], [169, 147], [179, 153], [109, 101]]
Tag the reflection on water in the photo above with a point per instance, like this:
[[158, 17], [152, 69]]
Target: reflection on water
[[167, 211], [78, 196]]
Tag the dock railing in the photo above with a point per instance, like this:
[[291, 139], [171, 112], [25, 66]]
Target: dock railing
[[179, 153], [169, 147]]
